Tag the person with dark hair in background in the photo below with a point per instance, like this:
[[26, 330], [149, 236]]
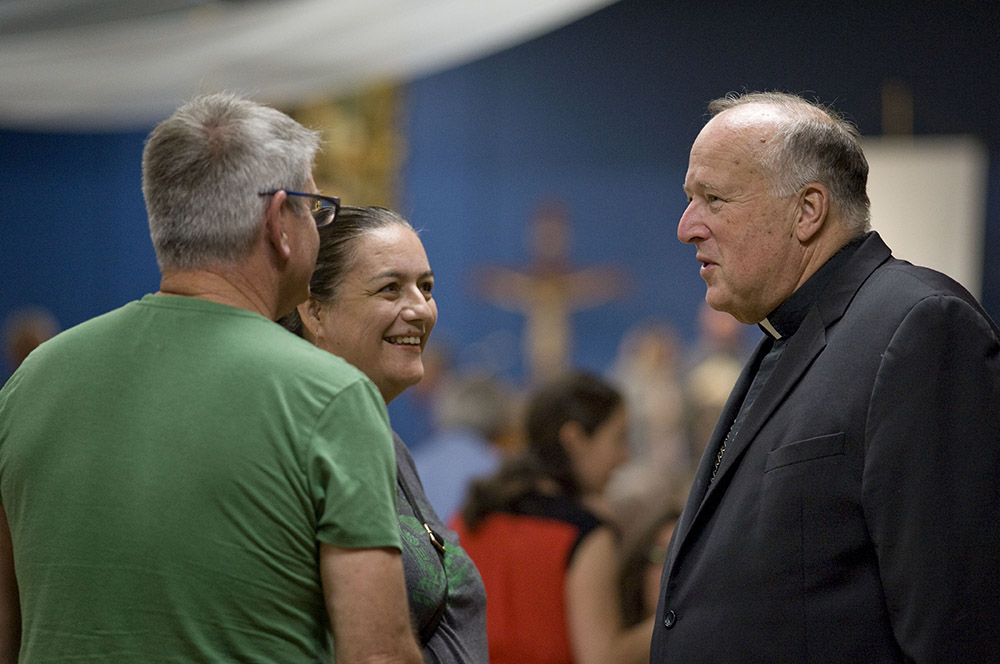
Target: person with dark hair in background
[[183, 480], [845, 508], [371, 303], [548, 561]]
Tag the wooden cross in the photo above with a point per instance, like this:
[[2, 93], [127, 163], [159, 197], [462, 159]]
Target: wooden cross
[[548, 291]]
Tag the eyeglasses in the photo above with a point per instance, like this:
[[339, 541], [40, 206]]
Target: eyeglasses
[[324, 208]]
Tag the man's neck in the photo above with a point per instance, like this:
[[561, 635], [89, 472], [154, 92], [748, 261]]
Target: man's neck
[[834, 237], [221, 285]]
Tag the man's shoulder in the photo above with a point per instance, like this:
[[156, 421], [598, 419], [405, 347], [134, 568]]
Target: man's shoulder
[[919, 280], [898, 290], [89, 331], [899, 283], [309, 361], [188, 328], [873, 272], [278, 352]]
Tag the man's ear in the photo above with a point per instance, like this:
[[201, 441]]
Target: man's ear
[[274, 225], [309, 312], [814, 207]]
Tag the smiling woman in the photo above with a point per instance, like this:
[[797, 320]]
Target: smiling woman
[[371, 303], [384, 312]]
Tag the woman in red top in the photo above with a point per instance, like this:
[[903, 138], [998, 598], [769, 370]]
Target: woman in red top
[[547, 560]]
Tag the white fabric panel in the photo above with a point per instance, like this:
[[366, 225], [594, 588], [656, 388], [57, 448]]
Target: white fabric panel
[[928, 199], [134, 71]]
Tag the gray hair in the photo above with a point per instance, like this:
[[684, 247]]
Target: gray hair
[[476, 401], [203, 169], [817, 144]]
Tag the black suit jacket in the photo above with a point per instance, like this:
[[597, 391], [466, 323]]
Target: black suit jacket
[[855, 517]]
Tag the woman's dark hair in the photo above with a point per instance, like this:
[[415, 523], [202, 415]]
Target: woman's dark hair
[[337, 248], [576, 397]]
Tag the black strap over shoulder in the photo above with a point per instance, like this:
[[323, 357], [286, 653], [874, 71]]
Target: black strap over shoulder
[[427, 629]]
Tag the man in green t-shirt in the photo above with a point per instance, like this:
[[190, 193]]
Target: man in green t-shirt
[[183, 480]]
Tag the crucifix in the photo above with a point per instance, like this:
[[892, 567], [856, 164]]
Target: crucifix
[[548, 291]]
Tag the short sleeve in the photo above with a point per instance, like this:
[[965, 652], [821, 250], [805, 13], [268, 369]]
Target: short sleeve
[[352, 471]]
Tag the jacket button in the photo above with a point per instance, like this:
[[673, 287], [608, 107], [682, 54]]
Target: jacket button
[[669, 619]]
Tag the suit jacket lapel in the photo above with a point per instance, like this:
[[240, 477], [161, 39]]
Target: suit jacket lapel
[[802, 349], [804, 346]]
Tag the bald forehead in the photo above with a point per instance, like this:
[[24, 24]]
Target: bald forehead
[[739, 130], [732, 147], [748, 128], [767, 117], [753, 123]]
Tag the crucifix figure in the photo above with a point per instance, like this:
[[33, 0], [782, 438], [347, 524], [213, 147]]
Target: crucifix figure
[[548, 291]]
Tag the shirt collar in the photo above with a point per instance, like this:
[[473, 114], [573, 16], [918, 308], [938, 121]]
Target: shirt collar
[[787, 316]]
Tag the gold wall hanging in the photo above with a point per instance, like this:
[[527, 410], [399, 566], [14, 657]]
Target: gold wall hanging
[[363, 146]]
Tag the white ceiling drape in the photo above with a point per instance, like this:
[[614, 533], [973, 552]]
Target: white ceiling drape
[[123, 67]]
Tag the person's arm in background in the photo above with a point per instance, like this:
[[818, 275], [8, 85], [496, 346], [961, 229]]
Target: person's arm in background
[[365, 596], [10, 605], [596, 629]]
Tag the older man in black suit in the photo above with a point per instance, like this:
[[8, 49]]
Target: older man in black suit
[[847, 506]]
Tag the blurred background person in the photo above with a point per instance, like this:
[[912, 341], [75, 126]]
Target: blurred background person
[[23, 331], [714, 364], [548, 560], [645, 535], [371, 303], [475, 426], [647, 371]]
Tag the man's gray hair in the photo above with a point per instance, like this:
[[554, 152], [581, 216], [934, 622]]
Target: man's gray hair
[[203, 169], [477, 401], [817, 144]]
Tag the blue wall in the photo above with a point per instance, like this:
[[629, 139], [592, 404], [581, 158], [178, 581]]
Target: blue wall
[[73, 226], [599, 114]]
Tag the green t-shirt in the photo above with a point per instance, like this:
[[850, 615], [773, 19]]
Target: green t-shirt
[[168, 470]]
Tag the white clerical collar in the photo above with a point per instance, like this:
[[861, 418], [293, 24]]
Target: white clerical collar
[[770, 329]]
